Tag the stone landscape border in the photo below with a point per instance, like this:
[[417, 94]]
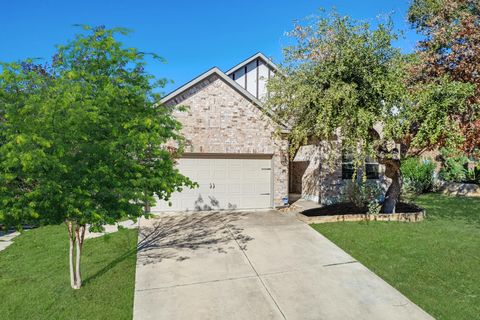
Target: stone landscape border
[[461, 189], [400, 217]]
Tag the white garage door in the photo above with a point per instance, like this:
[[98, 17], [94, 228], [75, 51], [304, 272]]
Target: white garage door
[[223, 184]]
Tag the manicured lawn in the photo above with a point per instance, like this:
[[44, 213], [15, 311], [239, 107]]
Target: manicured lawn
[[34, 279], [435, 263]]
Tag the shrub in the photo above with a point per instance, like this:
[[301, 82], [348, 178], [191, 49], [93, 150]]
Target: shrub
[[418, 175], [473, 175], [362, 194], [374, 207], [454, 166]]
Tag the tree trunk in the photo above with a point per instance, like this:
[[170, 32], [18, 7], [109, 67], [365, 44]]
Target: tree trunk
[[71, 239], [76, 234], [78, 275], [392, 171]]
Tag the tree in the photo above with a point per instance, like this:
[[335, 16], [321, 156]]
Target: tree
[[341, 78], [83, 141], [451, 46]]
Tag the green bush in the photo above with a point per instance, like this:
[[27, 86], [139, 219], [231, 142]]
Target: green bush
[[454, 166], [362, 194], [474, 175], [418, 175]]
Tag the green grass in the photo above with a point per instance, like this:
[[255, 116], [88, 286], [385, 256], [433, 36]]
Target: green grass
[[435, 263], [35, 283]]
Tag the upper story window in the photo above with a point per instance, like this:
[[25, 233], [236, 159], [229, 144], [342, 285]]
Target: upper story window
[[348, 168]]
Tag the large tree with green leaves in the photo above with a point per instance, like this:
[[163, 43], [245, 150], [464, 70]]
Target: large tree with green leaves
[[83, 141], [342, 78], [451, 47]]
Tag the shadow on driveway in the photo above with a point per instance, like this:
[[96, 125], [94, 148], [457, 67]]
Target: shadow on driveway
[[167, 235]]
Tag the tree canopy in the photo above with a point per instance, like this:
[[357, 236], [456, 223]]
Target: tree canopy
[[342, 77], [338, 78], [451, 47], [83, 139]]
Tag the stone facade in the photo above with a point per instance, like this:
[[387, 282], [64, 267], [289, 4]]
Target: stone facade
[[319, 177], [221, 120]]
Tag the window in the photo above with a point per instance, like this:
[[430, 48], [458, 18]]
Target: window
[[348, 169], [347, 166]]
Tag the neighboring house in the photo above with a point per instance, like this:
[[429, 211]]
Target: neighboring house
[[235, 152]]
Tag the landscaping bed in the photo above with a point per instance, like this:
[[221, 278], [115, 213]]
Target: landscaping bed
[[348, 211]]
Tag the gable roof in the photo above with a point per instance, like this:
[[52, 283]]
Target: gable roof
[[257, 55], [230, 82], [204, 76]]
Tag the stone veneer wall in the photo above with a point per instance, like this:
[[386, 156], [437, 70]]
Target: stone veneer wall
[[221, 120], [322, 180]]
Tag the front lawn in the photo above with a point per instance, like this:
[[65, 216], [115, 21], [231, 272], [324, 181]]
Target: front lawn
[[35, 284], [435, 263]]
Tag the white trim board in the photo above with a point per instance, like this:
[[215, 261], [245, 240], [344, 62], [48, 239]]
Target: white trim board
[[257, 55]]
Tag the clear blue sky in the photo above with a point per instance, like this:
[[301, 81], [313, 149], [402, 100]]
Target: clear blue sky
[[192, 35]]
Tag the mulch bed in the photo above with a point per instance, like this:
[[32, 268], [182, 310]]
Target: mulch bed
[[350, 208]]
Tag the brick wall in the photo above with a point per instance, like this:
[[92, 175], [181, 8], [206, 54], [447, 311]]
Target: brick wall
[[221, 120]]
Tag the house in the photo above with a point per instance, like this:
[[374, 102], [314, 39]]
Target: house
[[236, 153]]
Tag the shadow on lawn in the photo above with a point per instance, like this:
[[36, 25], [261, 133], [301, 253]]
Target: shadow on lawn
[[174, 236], [112, 264]]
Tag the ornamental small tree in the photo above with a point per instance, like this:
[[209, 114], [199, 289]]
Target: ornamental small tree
[[343, 79], [83, 141]]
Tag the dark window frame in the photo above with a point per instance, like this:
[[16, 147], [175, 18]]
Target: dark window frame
[[371, 168]]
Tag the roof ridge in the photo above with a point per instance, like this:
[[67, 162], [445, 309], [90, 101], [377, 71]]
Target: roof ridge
[[250, 59], [224, 77]]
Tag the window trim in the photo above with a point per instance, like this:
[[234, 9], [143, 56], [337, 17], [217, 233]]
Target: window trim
[[348, 174]]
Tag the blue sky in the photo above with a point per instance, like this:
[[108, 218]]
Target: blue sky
[[193, 36]]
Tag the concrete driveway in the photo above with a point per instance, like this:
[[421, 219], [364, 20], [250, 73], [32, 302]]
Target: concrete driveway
[[254, 265]]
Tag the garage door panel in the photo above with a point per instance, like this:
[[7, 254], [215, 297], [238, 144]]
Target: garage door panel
[[220, 188], [234, 173], [201, 202], [239, 184], [219, 174], [256, 174], [235, 188], [190, 172], [250, 174], [187, 192], [248, 188], [235, 163], [187, 202], [254, 201], [262, 188], [202, 175]]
